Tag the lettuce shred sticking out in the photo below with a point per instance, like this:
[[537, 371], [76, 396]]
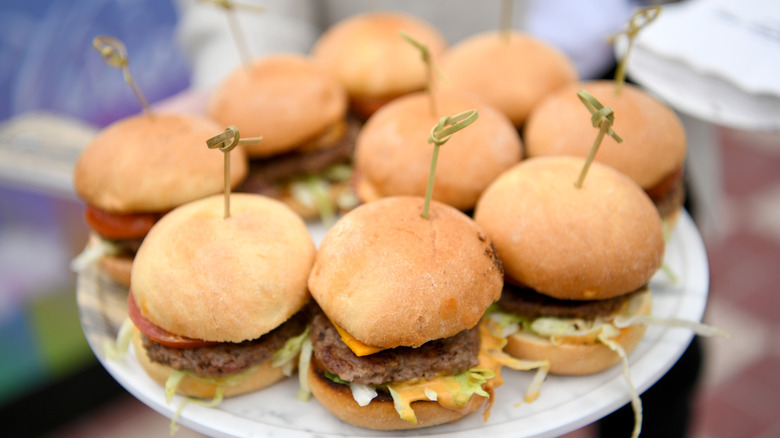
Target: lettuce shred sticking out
[[114, 351], [218, 396], [93, 253], [285, 356], [304, 362], [636, 402], [698, 328], [363, 394]]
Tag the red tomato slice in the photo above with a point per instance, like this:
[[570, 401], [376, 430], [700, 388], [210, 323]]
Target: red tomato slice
[[119, 226], [159, 334]]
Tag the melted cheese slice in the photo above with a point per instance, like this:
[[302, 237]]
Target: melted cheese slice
[[357, 347]]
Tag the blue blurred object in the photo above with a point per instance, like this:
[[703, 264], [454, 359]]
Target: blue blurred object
[[47, 61]]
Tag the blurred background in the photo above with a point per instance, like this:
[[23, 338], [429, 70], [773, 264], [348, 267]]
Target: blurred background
[[56, 93]]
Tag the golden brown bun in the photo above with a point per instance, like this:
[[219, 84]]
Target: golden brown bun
[[366, 53], [286, 99], [654, 141], [393, 156], [264, 375], [380, 413], [599, 241], [153, 164], [513, 75], [390, 278], [580, 359], [227, 280], [116, 267]]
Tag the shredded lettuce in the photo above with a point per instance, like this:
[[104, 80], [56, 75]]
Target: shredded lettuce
[[304, 362], [403, 407], [312, 191], [218, 396], [363, 394], [285, 356], [92, 253], [605, 338], [698, 328], [114, 351]]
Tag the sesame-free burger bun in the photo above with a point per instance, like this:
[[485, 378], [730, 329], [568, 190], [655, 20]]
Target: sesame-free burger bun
[[582, 356], [202, 276], [259, 377], [393, 156], [599, 241], [367, 54], [284, 98], [390, 278], [654, 144], [380, 414], [512, 74], [153, 164], [115, 266]]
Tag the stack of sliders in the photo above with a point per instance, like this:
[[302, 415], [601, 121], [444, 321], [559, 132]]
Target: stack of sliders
[[219, 304], [653, 153], [399, 342], [366, 53], [136, 170], [392, 157], [301, 113], [509, 70]]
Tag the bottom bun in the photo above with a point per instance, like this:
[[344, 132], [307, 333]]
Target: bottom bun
[[118, 268], [262, 376], [580, 359], [380, 414]]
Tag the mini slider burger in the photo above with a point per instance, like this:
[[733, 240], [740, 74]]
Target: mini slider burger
[[510, 71], [397, 343], [576, 261], [136, 170], [219, 303], [366, 53], [653, 153], [301, 113], [392, 157]]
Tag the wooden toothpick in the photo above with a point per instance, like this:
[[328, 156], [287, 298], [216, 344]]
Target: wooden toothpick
[[226, 142], [114, 54], [440, 134], [601, 117]]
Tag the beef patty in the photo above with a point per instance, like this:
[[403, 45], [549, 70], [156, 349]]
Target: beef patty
[[531, 304], [227, 358], [442, 356]]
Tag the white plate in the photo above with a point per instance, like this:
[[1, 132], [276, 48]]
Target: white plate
[[717, 60], [565, 403]]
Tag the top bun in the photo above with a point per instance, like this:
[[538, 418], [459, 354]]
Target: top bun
[[512, 74], [654, 142], [200, 275], [391, 278], [153, 164], [368, 55], [286, 99], [599, 241], [393, 157]]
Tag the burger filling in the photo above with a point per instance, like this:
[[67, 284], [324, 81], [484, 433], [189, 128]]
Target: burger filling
[[306, 171], [226, 358], [668, 195], [448, 371], [525, 310]]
